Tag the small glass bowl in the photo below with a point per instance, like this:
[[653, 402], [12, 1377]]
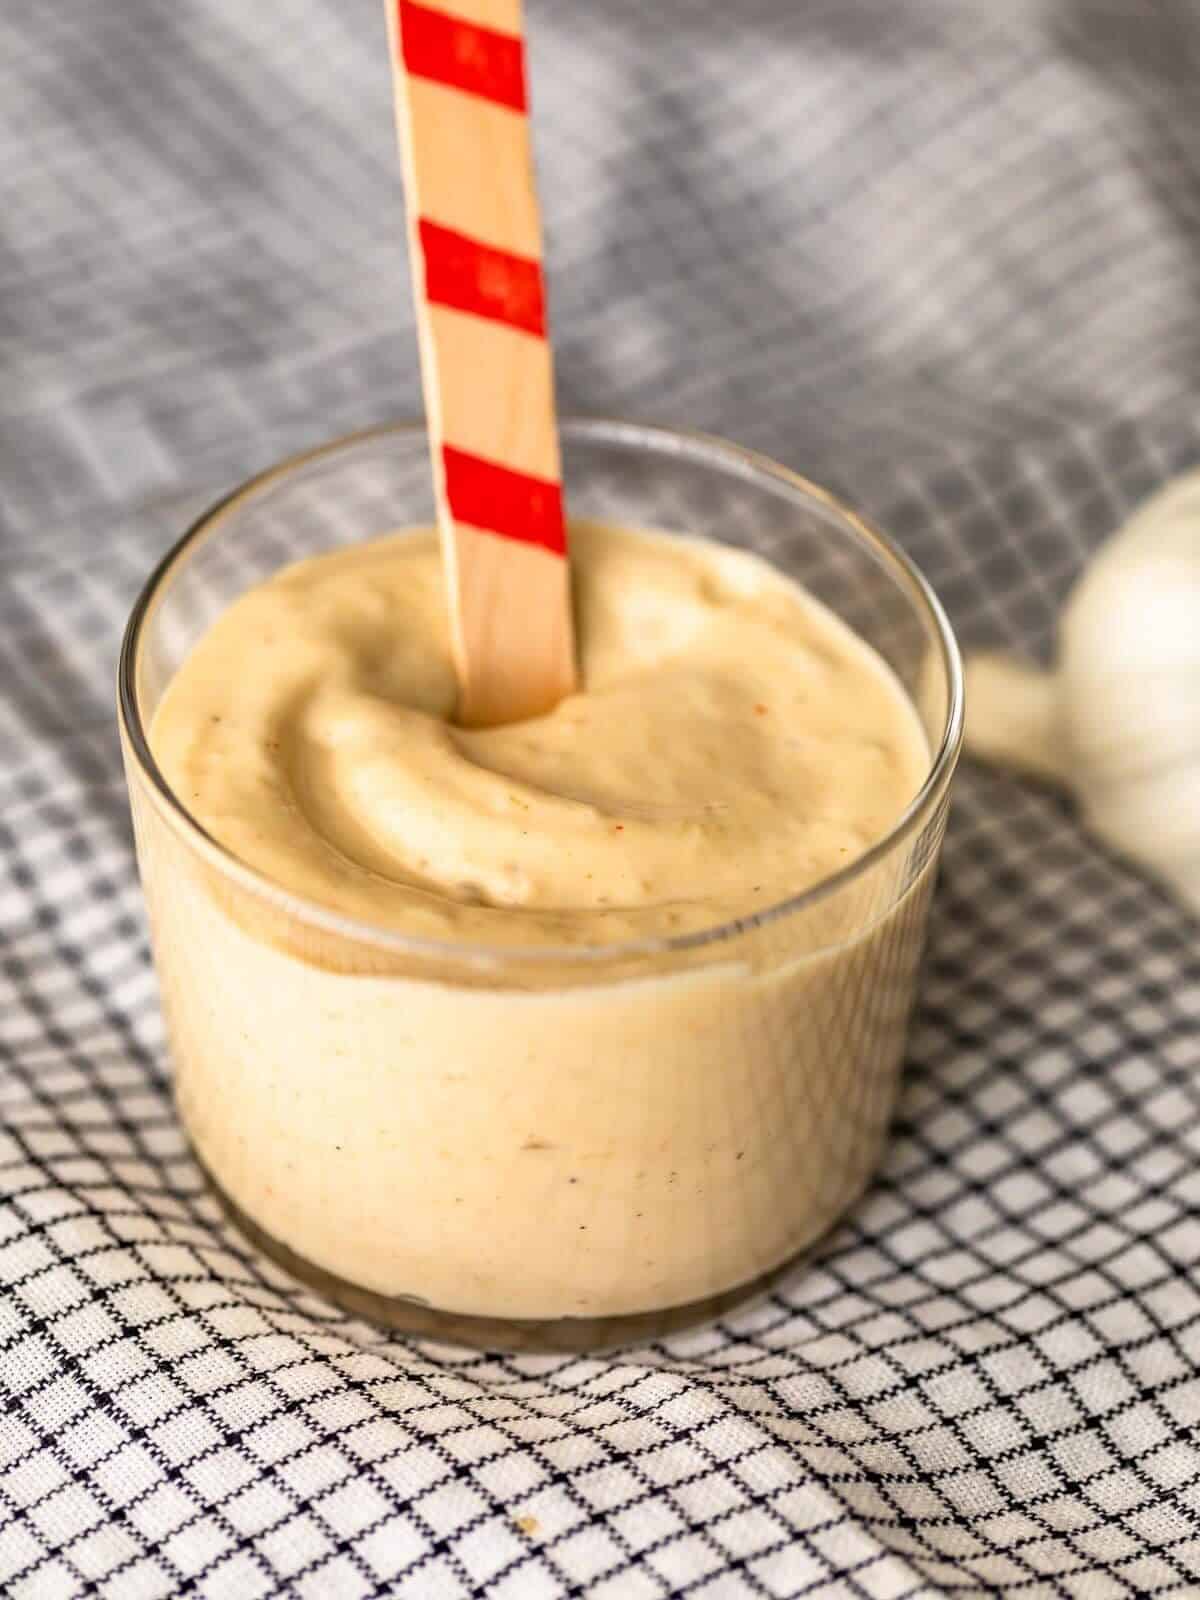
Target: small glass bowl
[[526, 1147]]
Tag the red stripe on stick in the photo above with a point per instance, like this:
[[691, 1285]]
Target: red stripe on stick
[[469, 276], [462, 55], [512, 504]]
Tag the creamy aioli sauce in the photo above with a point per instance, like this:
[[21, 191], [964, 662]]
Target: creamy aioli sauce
[[733, 744], [520, 1141]]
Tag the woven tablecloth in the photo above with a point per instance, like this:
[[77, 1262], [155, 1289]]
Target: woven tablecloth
[[943, 256]]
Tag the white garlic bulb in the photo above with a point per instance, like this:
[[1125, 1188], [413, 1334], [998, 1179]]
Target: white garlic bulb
[[1117, 721]]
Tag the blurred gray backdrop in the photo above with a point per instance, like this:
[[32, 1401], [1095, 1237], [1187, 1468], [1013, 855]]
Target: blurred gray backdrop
[[865, 235]]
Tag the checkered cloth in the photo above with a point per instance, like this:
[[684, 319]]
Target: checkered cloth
[[944, 256]]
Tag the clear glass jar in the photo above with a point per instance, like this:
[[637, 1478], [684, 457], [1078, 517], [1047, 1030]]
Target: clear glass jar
[[396, 1120]]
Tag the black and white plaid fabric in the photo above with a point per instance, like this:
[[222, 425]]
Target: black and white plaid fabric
[[945, 256]]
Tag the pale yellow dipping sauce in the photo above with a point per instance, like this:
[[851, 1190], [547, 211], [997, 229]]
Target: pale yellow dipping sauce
[[732, 744], [537, 1136]]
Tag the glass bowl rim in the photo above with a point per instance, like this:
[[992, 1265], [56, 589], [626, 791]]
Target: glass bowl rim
[[692, 443]]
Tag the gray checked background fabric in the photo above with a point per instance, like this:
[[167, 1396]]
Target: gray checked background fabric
[[943, 255]]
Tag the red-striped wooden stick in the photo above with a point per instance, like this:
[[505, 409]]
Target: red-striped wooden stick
[[486, 363]]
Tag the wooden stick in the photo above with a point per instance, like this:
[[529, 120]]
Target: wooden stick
[[486, 362]]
